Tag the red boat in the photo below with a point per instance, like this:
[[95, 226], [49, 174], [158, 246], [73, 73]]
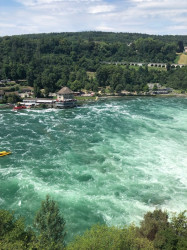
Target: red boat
[[17, 107]]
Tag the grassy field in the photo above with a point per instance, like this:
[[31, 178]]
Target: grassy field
[[182, 59], [177, 58], [91, 74]]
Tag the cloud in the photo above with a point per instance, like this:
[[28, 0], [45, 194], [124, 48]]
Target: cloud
[[46, 2], [104, 28], [101, 9], [143, 16]]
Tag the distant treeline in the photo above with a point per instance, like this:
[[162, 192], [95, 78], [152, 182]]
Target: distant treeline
[[53, 60], [111, 37], [156, 231]]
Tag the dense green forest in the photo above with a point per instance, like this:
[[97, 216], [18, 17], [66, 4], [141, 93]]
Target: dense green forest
[[111, 37], [50, 61], [156, 231]]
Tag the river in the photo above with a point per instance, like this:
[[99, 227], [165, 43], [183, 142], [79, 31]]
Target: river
[[107, 162]]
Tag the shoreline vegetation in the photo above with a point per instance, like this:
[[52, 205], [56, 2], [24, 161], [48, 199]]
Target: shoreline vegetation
[[157, 230]]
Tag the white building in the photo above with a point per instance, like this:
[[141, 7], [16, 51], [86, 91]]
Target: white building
[[37, 101], [65, 94], [24, 93]]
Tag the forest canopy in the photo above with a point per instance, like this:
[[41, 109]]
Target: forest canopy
[[50, 61]]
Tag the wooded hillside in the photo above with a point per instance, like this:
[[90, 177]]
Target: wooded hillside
[[50, 61]]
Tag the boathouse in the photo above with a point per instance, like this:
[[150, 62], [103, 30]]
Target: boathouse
[[65, 98], [65, 94]]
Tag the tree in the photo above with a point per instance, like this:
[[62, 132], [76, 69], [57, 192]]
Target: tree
[[13, 234], [132, 240], [180, 46], [146, 88], [49, 222], [154, 222], [128, 88], [155, 87], [179, 226], [136, 88], [166, 239], [12, 98], [98, 237], [37, 92], [168, 66], [119, 88], [174, 235], [30, 77], [111, 238]]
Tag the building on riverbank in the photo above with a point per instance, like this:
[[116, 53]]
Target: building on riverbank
[[65, 94], [162, 91], [25, 93], [34, 102], [65, 98], [157, 89]]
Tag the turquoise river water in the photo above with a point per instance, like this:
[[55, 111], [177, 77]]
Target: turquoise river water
[[110, 161]]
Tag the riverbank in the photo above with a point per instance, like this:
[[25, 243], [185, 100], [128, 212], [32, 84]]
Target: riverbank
[[158, 95], [81, 100], [6, 106]]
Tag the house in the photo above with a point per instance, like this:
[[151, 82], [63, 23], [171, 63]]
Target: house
[[65, 98], [2, 93], [65, 94], [88, 94], [52, 94], [185, 49], [5, 80], [159, 89], [152, 85], [26, 92]]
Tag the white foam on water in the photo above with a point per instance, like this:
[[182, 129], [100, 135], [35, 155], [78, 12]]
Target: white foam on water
[[110, 161]]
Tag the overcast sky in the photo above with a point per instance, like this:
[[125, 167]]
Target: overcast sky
[[45, 16]]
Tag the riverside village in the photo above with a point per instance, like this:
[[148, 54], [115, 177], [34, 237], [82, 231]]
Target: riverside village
[[65, 98]]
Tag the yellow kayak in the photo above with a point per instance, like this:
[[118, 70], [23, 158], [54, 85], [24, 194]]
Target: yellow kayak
[[3, 153]]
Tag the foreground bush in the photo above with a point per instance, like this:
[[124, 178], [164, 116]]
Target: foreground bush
[[156, 231], [13, 234]]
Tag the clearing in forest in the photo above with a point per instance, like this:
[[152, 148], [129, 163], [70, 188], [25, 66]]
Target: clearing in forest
[[182, 59]]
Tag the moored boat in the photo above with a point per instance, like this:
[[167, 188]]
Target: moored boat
[[17, 107]]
